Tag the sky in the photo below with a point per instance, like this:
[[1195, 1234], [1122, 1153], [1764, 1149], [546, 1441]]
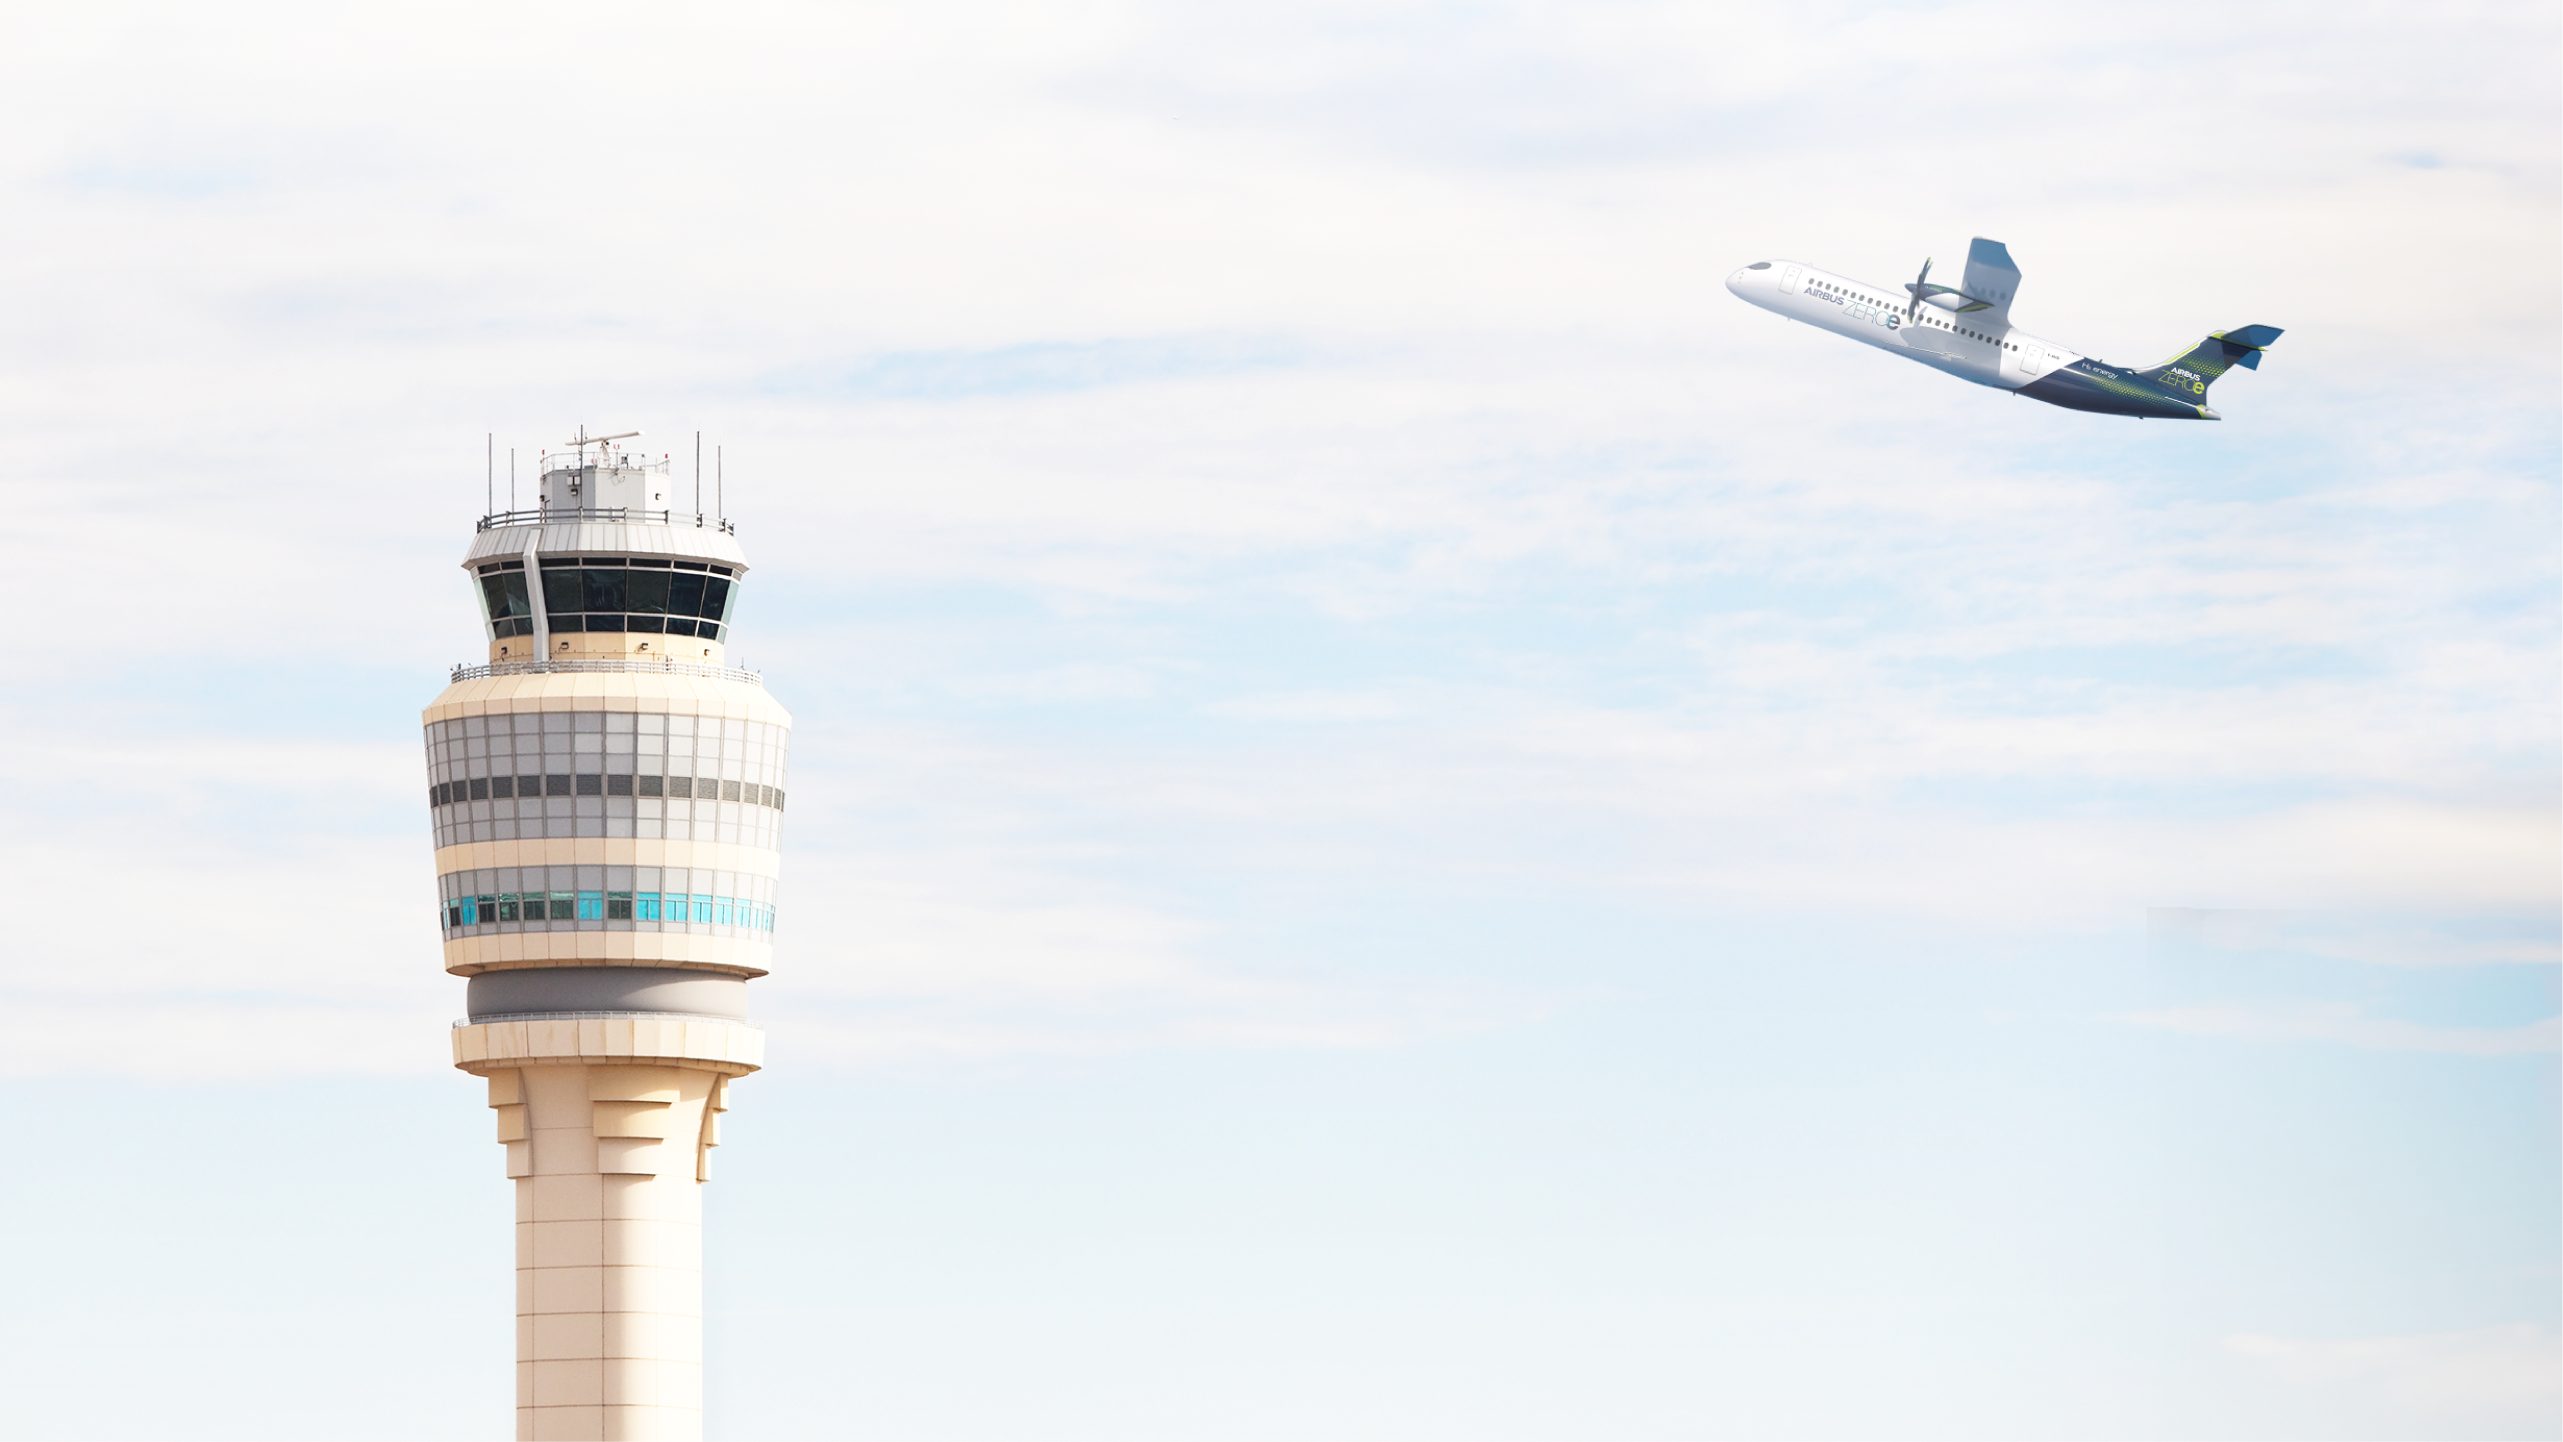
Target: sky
[[1407, 820]]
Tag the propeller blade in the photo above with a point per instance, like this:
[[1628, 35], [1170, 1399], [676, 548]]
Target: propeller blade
[[1920, 283]]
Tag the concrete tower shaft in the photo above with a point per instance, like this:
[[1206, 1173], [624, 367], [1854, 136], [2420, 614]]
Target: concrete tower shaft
[[607, 799]]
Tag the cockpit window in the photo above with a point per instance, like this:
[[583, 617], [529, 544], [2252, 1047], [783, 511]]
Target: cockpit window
[[1759, 265]]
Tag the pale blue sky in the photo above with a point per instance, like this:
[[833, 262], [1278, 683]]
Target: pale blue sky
[[1407, 821]]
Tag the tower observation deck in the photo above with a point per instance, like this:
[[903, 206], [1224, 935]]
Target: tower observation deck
[[606, 794]]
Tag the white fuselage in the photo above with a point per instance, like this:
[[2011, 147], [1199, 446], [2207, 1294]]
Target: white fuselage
[[1982, 346]]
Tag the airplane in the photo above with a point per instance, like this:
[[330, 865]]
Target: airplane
[[1966, 330]]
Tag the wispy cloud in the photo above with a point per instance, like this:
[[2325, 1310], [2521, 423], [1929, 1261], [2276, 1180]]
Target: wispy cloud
[[2493, 1378], [2349, 1026], [1209, 375], [1198, 1013], [1278, 543], [186, 1035], [1050, 368], [2372, 938]]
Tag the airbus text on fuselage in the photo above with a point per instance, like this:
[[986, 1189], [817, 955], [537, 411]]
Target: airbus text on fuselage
[[1966, 330]]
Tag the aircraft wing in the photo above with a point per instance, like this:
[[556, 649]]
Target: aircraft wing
[[1991, 277]]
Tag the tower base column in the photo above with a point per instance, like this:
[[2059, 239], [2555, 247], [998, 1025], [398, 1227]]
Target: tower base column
[[609, 1150]]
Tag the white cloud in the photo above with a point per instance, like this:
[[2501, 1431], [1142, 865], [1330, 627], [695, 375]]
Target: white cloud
[[1395, 328], [1205, 1013], [1311, 706], [2487, 1381], [2366, 936], [2350, 1026], [1277, 539], [189, 1035]]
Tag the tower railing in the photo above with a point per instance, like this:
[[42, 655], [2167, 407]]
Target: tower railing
[[626, 664], [567, 463], [604, 1016], [618, 515]]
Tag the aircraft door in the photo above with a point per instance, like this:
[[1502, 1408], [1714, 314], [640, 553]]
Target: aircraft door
[[1790, 275], [2032, 359]]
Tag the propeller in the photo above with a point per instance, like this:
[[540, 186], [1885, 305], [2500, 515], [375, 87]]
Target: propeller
[[1923, 290]]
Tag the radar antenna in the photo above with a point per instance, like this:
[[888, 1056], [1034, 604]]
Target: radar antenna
[[583, 440]]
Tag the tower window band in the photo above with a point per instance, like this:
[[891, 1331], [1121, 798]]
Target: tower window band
[[606, 774], [614, 594], [509, 899]]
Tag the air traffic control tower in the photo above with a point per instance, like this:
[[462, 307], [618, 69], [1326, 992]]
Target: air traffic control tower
[[607, 797]]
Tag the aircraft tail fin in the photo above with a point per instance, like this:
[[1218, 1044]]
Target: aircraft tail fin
[[1991, 279], [2212, 357]]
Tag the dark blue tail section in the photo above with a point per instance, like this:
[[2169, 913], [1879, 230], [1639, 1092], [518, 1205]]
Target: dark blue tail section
[[2192, 372]]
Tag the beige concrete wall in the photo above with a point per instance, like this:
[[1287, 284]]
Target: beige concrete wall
[[607, 691], [735, 956], [581, 646], [608, 1128], [609, 851]]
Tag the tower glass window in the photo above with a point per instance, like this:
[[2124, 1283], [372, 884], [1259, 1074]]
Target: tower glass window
[[612, 594], [508, 603], [476, 901]]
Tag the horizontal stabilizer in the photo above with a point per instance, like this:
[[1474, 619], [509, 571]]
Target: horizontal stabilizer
[[2254, 336]]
